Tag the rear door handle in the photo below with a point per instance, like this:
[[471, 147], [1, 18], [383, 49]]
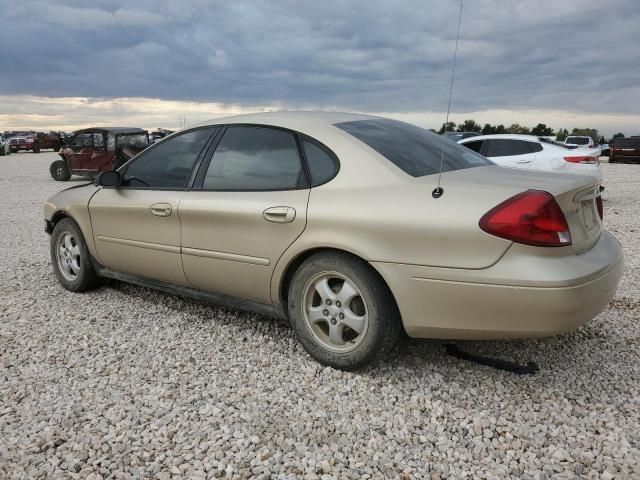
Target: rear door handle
[[525, 160], [279, 214], [160, 209]]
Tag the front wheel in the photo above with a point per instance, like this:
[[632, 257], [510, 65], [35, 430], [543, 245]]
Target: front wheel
[[59, 171], [71, 258], [342, 311]]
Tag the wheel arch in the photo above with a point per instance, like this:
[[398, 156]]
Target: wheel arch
[[289, 270]]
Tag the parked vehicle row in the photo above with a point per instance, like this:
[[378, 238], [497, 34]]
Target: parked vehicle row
[[536, 153], [334, 221], [32, 141]]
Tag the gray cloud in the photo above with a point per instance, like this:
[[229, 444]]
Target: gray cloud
[[365, 55]]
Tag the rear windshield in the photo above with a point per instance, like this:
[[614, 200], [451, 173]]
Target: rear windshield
[[415, 150], [578, 140], [627, 142]]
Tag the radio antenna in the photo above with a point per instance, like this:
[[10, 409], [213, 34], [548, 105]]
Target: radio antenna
[[438, 191]]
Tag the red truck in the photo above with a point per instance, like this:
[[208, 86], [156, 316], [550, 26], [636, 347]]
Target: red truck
[[35, 142], [94, 150]]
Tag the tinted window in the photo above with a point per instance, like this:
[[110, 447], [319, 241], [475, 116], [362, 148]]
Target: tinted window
[[322, 164], [168, 164], [626, 142], [413, 149], [504, 147], [578, 140], [254, 158], [475, 146], [535, 147]]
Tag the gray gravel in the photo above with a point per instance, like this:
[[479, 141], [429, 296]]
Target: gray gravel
[[125, 382]]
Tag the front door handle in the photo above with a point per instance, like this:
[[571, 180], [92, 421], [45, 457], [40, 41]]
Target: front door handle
[[279, 214], [161, 209]]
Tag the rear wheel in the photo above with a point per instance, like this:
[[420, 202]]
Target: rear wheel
[[2, 152], [70, 257], [59, 171], [342, 311]]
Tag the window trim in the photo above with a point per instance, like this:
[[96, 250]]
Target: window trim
[[187, 186], [304, 181]]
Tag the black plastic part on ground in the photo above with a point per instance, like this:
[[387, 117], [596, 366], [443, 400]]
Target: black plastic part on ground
[[530, 368]]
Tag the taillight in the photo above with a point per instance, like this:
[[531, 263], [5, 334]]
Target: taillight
[[600, 207], [532, 218], [582, 159]]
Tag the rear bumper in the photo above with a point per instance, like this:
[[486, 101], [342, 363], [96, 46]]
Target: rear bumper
[[518, 297]]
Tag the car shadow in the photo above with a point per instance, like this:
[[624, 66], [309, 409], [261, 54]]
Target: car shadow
[[593, 347]]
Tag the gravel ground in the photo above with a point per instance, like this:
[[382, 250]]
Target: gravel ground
[[125, 382]]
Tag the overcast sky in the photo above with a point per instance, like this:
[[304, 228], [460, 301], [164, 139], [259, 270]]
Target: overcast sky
[[70, 63]]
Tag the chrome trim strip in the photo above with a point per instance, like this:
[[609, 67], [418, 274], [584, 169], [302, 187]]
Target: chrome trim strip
[[139, 244], [231, 257]]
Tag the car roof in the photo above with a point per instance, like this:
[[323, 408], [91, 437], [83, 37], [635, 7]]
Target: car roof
[[295, 120], [112, 130], [510, 136]]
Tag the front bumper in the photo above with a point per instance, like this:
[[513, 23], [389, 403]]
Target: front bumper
[[518, 297]]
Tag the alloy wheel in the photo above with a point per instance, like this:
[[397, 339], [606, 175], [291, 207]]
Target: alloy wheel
[[335, 312], [69, 259]]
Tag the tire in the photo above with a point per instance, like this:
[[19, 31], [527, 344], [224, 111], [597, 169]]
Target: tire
[[59, 171], [371, 309], [36, 150], [70, 257], [612, 160], [2, 152]]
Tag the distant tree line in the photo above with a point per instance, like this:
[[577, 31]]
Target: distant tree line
[[540, 130]]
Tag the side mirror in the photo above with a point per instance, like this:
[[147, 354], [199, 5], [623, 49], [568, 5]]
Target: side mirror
[[109, 179]]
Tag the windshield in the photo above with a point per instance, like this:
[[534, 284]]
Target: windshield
[[578, 140], [415, 150]]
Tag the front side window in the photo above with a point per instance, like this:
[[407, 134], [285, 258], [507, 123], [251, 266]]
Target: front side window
[[168, 164], [254, 158], [416, 151], [504, 148]]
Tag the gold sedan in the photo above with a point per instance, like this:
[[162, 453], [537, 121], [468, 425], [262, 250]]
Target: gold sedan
[[342, 224]]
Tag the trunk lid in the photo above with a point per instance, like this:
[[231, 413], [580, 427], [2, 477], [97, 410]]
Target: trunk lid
[[576, 195]]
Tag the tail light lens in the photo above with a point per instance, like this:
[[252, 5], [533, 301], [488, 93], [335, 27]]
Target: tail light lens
[[581, 159], [531, 218], [600, 207]]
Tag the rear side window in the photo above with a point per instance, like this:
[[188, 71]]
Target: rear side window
[[503, 147], [323, 165], [254, 158], [415, 150], [168, 164], [475, 146]]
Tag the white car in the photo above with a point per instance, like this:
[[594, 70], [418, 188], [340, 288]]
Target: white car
[[580, 141], [535, 153]]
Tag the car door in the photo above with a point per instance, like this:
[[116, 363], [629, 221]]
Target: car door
[[136, 226], [81, 146], [509, 152], [249, 203]]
